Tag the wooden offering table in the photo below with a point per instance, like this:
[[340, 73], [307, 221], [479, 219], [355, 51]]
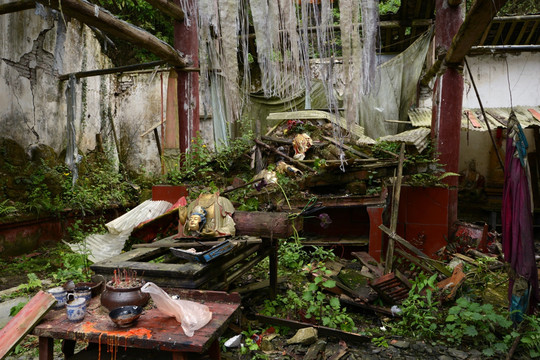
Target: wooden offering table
[[153, 330]]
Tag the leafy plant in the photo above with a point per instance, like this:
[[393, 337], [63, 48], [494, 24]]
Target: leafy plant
[[420, 313], [379, 341], [6, 208], [312, 303], [15, 309], [429, 179], [75, 267], [477, 324], [33, 283], [531, 336]]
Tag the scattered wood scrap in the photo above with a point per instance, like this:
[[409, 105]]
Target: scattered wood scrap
[[17, 328], [435, 264], [454, 282]]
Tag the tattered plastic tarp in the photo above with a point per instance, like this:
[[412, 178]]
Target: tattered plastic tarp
[[99, 247], [396, 82]]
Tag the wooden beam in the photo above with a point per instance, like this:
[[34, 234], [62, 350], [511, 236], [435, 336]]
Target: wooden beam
[[114, 70], [395, 210], [169, 8], [438, 266], [476, 22], [96, 16], [15, 6]]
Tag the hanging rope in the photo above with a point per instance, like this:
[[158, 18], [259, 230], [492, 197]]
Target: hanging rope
[[484, 115]]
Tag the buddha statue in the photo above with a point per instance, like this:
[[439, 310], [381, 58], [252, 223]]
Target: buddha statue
[[210, 215]]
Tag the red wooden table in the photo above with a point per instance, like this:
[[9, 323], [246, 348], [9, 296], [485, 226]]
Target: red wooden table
[[153, 330]]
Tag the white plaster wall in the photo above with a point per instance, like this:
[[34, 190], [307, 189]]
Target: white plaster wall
[[503, 79]]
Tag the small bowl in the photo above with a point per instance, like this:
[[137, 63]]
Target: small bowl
[[126, 316]]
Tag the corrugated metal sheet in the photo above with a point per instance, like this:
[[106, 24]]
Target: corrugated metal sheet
[[497, 117], [99, 247], [417, 137]]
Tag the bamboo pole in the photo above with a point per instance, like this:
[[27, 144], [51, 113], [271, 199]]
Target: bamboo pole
[[395, 210]]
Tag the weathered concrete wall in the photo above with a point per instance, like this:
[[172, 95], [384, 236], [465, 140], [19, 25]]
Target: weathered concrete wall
[[34, 50], [503, 79]]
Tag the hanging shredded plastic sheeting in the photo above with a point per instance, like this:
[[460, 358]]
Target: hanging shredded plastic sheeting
[[304, 19], [370, 19], [289, 44], [350, 39], [265, 22], [229, 27], [209, 62], [244, 30], [72, 156], [326, 47], [189, 7]]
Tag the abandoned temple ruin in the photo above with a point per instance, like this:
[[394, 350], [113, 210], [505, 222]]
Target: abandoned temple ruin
[[190, 178]]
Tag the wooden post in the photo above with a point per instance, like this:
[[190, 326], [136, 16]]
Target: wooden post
[[395, 211], [447, 102], [186, 42]]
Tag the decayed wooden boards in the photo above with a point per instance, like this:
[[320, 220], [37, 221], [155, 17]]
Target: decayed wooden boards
[[24, 321]]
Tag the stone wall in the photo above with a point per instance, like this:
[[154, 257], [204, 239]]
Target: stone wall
[[38, 45]]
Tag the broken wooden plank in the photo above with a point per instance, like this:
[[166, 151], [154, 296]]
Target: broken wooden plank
[[286, 157], [369, 262], [414, 260], [395, 209], [341, 242], [193, 244], [17, 328], [476, 21], [453, 282], [321, 330], [344, 299], [472, 118], [256, 286], [347, 148], [438, 266]]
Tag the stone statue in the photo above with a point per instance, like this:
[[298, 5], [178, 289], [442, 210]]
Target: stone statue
[[210, 215]]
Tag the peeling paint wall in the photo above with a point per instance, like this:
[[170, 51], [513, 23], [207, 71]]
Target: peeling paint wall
[[38, 45], [502, 80]]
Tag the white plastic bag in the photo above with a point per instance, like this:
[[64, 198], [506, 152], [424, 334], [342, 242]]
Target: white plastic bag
[[191, 315]]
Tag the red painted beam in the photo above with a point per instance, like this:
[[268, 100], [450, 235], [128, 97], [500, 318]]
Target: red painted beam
[[448, 97], [186, 41]]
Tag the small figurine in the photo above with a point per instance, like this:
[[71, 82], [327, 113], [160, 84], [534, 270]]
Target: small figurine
[[301, 144], [210, 215], [286, 169], [197, 220]]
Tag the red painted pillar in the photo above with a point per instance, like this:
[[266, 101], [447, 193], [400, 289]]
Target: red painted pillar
[[447, 100], [375, 234], [186, 41]]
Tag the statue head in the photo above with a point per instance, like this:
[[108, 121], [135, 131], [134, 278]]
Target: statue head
[[197, 219]]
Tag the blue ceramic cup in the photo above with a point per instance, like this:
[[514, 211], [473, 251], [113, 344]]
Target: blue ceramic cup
[[76, 309], [84, 292], [59, 294]]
